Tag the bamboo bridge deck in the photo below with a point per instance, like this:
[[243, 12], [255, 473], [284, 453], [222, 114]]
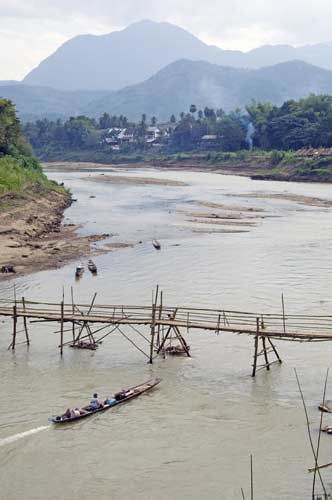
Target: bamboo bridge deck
[[91, 323]]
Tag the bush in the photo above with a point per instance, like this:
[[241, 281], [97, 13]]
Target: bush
[[277, 157]]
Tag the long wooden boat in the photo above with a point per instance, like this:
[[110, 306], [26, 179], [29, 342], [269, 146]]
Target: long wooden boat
[[119, 398]]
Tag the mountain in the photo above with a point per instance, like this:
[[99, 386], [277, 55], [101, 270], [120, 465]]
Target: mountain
[[118, 59], [176, 87], [33, 103], [8, 82], [130, 56]]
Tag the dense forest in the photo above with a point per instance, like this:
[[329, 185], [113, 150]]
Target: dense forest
[[294, 125], [19, 170]]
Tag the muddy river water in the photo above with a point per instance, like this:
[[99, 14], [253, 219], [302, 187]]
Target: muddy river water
[[191, 438]]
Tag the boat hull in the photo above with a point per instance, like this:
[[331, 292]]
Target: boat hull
[[137, 391]]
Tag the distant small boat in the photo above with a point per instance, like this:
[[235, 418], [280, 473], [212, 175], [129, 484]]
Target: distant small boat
[[326, 407], [156, 244], [79, 271], [92, 267]]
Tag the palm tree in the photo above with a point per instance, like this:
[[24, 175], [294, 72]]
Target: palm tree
[[193, 109]]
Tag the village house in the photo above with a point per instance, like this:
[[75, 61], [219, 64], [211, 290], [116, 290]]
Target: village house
[[209, 141]]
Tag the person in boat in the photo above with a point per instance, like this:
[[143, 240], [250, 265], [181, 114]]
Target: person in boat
[[95, 404], [72, 413], [110, 400]]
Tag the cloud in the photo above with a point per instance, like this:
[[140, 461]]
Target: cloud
[[29, 31]]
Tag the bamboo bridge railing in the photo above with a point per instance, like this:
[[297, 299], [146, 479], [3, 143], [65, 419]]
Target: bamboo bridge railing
[[164, 321]]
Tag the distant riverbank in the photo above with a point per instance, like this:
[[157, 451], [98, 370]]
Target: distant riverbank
[[301, 166]]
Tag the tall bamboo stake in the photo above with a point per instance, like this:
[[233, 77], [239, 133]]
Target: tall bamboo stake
[[251, 479], [73, 311], [61, 329], [25, 323], [319, 436], [308, 428], [283, 312], [14, 326], [256, 348], [153, 324]]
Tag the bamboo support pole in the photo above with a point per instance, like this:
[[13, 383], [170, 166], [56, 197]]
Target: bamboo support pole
[[275, 350], [25, 323], [14, 326], [182, 341], [159, 319], [256, 348], [73, 312], [265, 353], [61, 328], [153, 324], [251, 479], [164, 340], [283, 312], [133, 343]]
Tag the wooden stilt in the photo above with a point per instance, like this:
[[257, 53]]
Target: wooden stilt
[[25, 323], [283, 312], [153, 324], [265, 353], [274, 350], [14, 326], [164, 340], [61, 329], [159, 318], [256, 348], [73, 311], [182, 341]]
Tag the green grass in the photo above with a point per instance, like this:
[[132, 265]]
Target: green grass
[[23, 174]]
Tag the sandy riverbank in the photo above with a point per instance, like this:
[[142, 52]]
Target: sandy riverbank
[[137, 181], [33, 237]]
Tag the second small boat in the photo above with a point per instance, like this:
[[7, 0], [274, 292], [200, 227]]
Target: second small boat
[[156, 244], [92, 267], [79, 271]]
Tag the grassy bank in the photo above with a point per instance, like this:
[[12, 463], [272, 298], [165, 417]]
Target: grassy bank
[[22, 178]]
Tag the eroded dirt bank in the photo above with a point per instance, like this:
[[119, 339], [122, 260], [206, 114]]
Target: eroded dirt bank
[[33, 237]]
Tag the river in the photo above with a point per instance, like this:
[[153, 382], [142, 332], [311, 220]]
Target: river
[[193, 435]]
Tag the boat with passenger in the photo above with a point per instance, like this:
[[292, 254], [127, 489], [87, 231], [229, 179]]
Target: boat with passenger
[[118, 398]]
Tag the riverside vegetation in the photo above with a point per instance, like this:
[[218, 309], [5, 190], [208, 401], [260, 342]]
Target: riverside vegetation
[[21, 175], [263, 140]]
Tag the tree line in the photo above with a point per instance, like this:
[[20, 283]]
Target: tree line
[[293, 125]]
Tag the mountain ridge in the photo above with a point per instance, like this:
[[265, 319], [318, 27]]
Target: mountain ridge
[[174, 88], [115, 60]]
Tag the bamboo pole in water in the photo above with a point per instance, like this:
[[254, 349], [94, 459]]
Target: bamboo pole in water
[[153, 323], [61, 328], [265, 354], [256, 348], [14, 326], [73, 312], [25, 323]]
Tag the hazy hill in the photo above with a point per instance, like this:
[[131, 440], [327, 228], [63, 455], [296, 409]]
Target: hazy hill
[[182, 83], [174, 88], [34, 102], [134, 54]]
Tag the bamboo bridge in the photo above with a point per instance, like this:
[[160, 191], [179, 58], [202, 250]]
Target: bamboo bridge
[[90, 324]]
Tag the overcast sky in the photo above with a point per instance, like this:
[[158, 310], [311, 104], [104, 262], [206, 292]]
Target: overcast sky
[[31, 29]]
